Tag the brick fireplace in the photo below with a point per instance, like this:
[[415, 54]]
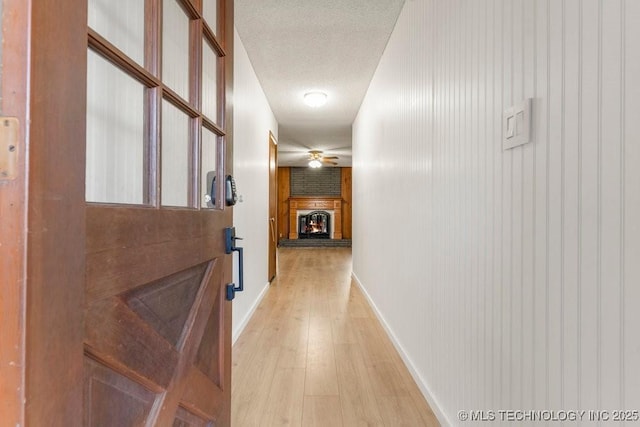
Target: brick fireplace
[[333, 204]]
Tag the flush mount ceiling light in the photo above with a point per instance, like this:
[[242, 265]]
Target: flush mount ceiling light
[[315, 163], [315, 99]]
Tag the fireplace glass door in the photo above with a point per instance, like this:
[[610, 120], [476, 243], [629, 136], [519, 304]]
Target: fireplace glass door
[[315, 225]]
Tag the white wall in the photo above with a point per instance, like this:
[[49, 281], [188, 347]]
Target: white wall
[[509, 279], [253, 120]]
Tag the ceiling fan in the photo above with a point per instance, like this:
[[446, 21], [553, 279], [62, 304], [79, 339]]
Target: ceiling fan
[[316, 159]]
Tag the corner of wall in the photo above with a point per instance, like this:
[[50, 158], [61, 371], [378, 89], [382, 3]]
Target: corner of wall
[[421, 382], [242, 323]]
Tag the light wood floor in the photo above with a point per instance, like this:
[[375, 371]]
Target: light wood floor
[[314, 354]]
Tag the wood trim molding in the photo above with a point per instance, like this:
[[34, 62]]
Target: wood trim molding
[[56, 242], [321, 203]]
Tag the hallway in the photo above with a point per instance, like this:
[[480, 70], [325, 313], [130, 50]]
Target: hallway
[[314, 354]]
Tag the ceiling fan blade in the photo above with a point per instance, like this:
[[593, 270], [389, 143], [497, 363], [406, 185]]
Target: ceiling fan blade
[[330, 157]]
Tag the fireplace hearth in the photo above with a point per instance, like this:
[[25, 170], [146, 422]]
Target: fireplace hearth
[[314, 225]]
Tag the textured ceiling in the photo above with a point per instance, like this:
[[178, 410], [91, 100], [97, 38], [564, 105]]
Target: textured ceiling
[[300, 45]]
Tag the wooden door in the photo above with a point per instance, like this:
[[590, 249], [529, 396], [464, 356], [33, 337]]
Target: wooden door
[[273, 205], [157, 327], [126, 318]]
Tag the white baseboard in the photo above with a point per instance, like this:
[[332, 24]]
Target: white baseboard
[[422, 384], [243, 324]]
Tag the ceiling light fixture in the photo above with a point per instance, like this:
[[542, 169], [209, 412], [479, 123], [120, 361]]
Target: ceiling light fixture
[[315, 99], [315, 163]]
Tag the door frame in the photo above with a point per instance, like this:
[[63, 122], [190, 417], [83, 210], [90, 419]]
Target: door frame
[[273, 208], [13, 211]]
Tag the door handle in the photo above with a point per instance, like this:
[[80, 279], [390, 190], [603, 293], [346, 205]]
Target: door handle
[[230, 247], [272, 221]]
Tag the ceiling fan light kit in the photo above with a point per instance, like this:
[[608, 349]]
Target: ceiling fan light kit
[[315, 99], [316, 159]]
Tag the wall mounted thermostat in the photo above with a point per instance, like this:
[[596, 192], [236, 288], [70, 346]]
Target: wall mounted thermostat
[[516, 125]]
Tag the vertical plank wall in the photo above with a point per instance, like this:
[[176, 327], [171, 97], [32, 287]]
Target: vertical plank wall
[[508, 279], [253, 119]]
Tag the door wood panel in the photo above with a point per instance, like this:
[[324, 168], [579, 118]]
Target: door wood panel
[[168, 334], [122, 241], [165, 304], [121, 339], [133, 401], [154, 332], [184, 418], [202, 395]]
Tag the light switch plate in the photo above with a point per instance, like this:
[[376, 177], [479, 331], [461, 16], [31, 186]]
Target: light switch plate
[[516, 124]]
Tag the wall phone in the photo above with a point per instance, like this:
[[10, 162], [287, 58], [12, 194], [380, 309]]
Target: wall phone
[[230, 191]]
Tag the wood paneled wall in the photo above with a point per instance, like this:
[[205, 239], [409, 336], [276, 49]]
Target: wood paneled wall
[[284, 193], [346, 203]]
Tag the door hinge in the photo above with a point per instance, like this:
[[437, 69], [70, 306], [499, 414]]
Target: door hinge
[[9, 127]]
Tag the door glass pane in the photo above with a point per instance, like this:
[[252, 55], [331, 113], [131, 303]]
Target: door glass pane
[[115, 134], [175, 48], [208, 160], [175, 156], [210, 13], [121, 23], [209, 82]]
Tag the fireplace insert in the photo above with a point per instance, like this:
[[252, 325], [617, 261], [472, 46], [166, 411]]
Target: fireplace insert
[[314, 225]]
